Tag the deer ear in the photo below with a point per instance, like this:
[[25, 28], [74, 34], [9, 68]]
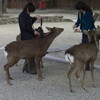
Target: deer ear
[[98, 31], [54, 28], [49, 28]]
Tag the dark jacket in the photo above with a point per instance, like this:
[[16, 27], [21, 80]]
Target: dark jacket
[[86, 22], [25, 24]]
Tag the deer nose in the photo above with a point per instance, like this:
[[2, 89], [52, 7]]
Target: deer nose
[[62, 29]]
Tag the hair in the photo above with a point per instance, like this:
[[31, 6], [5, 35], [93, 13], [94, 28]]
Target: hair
[[82, 6], [30, 7]]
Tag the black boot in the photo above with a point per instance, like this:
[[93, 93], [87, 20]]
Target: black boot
[[87, 67]]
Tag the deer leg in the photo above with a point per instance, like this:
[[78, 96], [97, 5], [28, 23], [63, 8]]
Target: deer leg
[[92, 73], [84, 73], [71, 68], [7, 74], [10, 63], [83, 77], [78, 72], [79, 68], [39, 73], [41, 63]]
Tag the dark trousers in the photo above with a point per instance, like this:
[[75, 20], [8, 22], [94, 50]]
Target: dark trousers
[[30, 66]]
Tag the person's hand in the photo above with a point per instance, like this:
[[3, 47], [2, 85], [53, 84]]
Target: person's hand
[[36, 33], [74, 26], [38, 16], [77, 30]]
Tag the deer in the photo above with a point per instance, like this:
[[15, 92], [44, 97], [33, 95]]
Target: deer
[[25, 49], [79, 55]]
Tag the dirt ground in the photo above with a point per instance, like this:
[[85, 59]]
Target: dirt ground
[[55, 84]]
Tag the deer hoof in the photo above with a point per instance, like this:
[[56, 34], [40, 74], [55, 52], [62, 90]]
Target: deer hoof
[[94, 85], [72, 91], [32, 73], [10, 78], [85, 89], [40, 78], [9, 83]]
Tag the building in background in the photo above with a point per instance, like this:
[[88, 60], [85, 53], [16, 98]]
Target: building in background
[[63, 4]]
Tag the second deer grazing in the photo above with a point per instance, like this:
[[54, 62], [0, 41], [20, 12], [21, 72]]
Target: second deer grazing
[[79, 55], [36, 48]]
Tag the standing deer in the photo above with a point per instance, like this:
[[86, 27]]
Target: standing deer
[[79, 55], [25, 49]]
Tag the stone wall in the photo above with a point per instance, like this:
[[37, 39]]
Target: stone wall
[[8, 20]]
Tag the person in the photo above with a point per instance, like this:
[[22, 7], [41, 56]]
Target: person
[[27, 32], [85, 22]]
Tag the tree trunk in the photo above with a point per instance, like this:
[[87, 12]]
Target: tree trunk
[[0, 7], [4, 6]]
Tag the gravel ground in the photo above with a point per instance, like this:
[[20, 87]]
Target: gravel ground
[[55, 84]]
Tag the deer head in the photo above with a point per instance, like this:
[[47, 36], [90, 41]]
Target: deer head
[[94, 36], [55, 30]]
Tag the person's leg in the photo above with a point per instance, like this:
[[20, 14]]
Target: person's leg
[[30, 66], [87, 67]]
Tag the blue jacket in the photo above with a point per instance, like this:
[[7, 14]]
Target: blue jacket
[[25, 24], [86, 22]]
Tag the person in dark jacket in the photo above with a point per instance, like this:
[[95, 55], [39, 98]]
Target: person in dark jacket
[[85, 21], [27, 33]]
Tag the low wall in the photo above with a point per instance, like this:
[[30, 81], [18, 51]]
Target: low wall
[[8, 20]]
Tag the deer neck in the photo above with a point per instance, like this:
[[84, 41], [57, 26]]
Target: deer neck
[[95, 42], [49, 39], [97, 45]]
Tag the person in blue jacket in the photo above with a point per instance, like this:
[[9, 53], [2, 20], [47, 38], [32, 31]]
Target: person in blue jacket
[[85, 21], [27, 32]]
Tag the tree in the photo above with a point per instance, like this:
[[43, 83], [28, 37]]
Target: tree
[[4, 6], [0, 7]]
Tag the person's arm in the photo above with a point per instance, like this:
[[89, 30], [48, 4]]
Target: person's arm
[[89, 21], [77, 24], [78, 20], [24, 25], [33, 19]]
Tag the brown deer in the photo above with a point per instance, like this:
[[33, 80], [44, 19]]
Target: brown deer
[[25, 49], [79, 55]]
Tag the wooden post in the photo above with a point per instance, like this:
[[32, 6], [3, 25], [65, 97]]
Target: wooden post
[[0, 7]]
